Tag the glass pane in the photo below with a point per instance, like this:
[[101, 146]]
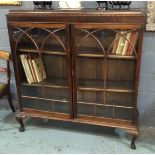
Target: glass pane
[[61, 107], [55, 41], [24, 40], [120, 74], [113, 98], [46, 40], [92, 97], [29, 103], [93, 41], [56, 93], [33, 91], [56, 68], [55, 75], [104, 111], [90, 72], [122, 113], [45, 105], [86, 109]]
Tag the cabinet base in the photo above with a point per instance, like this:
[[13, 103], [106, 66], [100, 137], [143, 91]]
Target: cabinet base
[[128, 127]]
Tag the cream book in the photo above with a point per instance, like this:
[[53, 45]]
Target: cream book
[[39, 69], [116, 40], [31, 68], [126, 45], [26, 67], [121, 44]]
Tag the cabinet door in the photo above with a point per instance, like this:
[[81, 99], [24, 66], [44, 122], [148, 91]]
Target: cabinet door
[[105, 68], [46, 44]]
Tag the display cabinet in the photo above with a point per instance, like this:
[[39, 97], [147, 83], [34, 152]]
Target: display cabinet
[[91, 60]]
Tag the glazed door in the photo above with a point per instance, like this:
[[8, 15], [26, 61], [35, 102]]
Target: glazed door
[[48, 43], [104, 65]]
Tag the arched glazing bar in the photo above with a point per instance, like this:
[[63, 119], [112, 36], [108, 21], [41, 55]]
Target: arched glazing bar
[[25, 33], [123, 35], [102, 47], [52, 34]]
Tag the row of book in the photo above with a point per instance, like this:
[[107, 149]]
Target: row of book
[[124, 45], [33, 68]]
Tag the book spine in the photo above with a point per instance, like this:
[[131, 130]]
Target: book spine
[[24, 63], [32, 67], [134, 43], [120, 44], [131, 43], [36, 68], [29, 69], [116, 40], [126, 43], [42, 69]]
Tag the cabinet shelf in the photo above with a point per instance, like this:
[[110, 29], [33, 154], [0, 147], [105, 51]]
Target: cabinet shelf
[[106, 105], [46, 99], [130, 57], [111, 86], [111, 56], [50, 82], [91, 55], [50, 49], [43, 52]]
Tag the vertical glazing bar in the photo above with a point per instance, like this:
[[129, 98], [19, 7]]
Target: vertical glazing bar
[[52, 106], [105, 75], [37, 103], [43, 91], [95, 110], [113, 112]]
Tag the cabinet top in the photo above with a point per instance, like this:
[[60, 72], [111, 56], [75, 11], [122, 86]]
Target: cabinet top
[[74, 12], [84, 15]]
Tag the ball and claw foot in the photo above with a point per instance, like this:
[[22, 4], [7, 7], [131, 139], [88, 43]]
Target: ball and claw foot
[[133, 146], [20, 121], [21, 129]]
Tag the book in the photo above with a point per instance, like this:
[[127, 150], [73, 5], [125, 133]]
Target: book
[[39, 69], [26, 68], [134, 43], [120, 44], [126, 45], [116, 40], [32, 67], [133, 40]]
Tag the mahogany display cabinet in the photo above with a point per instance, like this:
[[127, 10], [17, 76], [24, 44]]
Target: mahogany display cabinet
[[88, 77]]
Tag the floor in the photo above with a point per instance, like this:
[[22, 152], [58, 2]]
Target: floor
[[44, 136]]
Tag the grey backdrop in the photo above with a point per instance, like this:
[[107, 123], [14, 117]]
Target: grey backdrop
[[146, 97]]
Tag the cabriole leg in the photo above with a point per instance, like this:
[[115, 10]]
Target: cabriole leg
[[20, 121], [133, 146], [134, 134]]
